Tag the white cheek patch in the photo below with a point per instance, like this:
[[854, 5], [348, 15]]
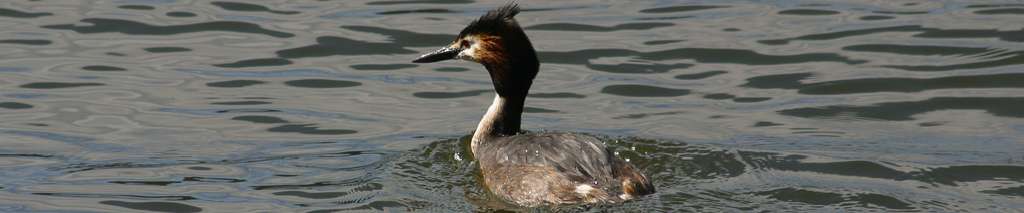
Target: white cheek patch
[[468, 54]]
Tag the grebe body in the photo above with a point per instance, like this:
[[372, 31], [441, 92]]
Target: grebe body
[[532, 169]]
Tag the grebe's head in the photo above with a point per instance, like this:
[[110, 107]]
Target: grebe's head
[[488, 40], [496, 41]]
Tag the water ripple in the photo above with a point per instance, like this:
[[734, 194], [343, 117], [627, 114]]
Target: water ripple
[[105, 25], [5, 12], [921, 32], [246, 7], [593, 28], [904, 110], [82, 141], [300, 112]]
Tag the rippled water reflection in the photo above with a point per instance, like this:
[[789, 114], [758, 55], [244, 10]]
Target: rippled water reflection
[[312, 106]]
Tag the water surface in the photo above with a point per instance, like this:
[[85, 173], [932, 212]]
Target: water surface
[[313, 106]]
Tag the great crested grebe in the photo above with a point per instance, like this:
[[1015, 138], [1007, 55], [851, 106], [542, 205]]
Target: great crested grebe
[[532, 169]]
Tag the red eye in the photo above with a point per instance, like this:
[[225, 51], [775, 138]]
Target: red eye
[[465, 43]]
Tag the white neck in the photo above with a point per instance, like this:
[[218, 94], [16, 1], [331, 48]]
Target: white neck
[[501, 119]]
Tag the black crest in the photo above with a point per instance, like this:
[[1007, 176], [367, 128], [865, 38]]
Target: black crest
[[494, 21]]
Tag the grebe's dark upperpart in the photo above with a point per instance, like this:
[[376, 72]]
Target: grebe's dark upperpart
[[532, 169]]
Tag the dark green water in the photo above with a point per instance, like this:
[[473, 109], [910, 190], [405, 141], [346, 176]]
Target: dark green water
[[312, 106]]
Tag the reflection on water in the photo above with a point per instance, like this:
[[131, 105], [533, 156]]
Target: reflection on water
[[312, 106]]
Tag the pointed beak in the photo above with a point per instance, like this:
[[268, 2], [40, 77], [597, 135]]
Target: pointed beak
[[442, 54]]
